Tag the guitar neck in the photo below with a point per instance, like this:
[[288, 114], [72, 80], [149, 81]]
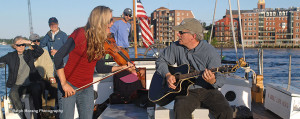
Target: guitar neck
[[196, 73]]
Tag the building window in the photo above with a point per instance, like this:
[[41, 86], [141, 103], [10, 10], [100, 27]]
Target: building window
[[245, 28], [245, 20], [279, 18], [222, 23], [245, 34], [266, 23], [254, 19], [187, 14], [178, 18], [245, 24], [297, 30], [267, 19], [279, 13], [255, 28], [267, 14], [254, 23], [274, 14], [235, 24], [297, 24], [178, 14], [182, 13]]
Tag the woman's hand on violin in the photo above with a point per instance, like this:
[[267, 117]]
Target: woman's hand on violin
[[120, 47], [69, 91], [131, 67]]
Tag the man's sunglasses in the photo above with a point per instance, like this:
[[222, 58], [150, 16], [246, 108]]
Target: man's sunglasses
[[18, 45], [111, 20], [128, 15], [181, 32], [36, 40]]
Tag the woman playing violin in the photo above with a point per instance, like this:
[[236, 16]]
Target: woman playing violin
[[85, 47]]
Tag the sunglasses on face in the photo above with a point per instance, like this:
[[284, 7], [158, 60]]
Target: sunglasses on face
[[18, 45], [181, 32], [111, 20], [36, 40], [128, 15]]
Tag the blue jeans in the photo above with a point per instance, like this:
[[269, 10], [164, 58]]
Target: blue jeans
[[84, 100]]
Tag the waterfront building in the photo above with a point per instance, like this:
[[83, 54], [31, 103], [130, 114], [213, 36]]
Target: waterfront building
[[268, 26], [164, 19]]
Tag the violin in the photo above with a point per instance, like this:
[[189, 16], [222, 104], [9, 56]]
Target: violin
[[120, 55]]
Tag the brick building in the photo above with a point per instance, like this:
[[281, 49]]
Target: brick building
[[223, 29], [164, 19], [269, 26]]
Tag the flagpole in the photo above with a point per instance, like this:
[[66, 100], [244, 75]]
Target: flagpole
[[134, 30]]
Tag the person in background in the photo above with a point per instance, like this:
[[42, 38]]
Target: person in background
[[201, 56], [85, 47], [45, 67], [54, 39], [23, 76], [121, 29]]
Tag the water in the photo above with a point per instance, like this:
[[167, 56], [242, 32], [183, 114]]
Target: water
[[276, 63]]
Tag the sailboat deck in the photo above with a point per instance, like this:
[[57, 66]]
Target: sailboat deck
[[260, 112]]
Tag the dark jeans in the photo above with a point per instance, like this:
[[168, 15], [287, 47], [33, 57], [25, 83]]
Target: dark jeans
[[212, 98], [35, 91]]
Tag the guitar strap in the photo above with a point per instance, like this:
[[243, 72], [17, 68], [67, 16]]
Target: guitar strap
[[192, 68]]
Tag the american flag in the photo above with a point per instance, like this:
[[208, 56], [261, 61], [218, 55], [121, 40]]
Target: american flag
[[146, 33]]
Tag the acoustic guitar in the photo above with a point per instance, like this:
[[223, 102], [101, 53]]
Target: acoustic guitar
[[161, 94]]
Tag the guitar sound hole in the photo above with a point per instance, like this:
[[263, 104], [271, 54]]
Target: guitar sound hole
[[230, 96]]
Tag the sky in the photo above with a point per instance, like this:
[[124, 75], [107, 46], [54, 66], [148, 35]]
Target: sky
[[71, 14]]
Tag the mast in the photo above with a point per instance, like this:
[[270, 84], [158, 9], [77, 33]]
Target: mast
[[30, 18], [134, 30]]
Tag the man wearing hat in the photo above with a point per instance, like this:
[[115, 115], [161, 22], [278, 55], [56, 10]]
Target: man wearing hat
[[45, 67], [201, 56], [55, 38], [121, 29]]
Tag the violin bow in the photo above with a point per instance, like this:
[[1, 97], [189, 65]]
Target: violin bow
[[102, 78]]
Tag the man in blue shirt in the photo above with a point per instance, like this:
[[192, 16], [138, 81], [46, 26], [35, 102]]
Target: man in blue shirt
[[55, 38], [121, 29], [201, 56]]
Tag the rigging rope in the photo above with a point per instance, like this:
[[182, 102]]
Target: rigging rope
[[212, 24], [232, 28], [241, 29]]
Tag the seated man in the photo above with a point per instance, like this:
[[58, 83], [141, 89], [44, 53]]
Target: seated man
[[45, 67], [23, 76], [201, 56]]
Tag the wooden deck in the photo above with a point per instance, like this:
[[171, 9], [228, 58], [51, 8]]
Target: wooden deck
[[260, 112]]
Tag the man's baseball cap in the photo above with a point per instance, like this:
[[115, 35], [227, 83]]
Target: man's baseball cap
[[190, 24], [127, 11], [52, 20], [34, 37]]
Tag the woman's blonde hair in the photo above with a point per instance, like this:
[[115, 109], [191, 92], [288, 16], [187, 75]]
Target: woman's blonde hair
[[96, 34]]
